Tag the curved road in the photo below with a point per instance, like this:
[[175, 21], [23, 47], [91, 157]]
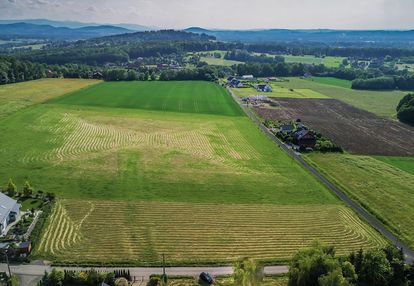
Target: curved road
[[368, 217]]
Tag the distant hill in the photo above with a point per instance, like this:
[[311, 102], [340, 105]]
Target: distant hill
[[161, 35], [33, 31], [321, 35], [75, 24]]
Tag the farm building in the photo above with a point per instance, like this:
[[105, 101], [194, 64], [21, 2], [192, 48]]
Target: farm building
[[235, 83], [248, 77], [263, 88], [9, 212], [304, 138], [286, 128]]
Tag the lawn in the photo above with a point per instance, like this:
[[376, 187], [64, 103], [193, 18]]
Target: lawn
[[14, 97], [219, 61], [332, 81], [189, 97], [385, 190], [309, 59], [203, 185], [382, 103], [282, 92], [403, 163]]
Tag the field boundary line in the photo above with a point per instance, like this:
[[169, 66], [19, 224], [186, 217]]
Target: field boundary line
[[358, 209]]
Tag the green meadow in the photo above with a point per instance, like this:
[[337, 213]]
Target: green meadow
[[164, 162], [332, 81], [384, 186]]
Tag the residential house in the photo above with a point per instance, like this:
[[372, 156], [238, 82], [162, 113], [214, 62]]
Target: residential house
[[286, 128], [304, 138], [24, 248], [264, 88], [9, 212], [248, 77]]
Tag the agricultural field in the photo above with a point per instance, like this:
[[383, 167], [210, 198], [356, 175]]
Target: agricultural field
[[189, 97], [14, 97], [403, 163], [356, 130], [187, 175], [385, 190], [328, 61], [207, 233], [219, 61], [382, 103], [281, 92], [211, 60], [332, 81]]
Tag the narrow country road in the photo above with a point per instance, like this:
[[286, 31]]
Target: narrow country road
[[368, 217], [29, 270]]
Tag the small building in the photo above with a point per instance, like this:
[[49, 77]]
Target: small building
[[264, 88], [235, 83], [286, 128], [97, 75], [304, 138], [9, 212], [248, 77], [307, 75], [24, 248]]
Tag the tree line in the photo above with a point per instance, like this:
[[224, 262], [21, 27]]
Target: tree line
[[385, 83]]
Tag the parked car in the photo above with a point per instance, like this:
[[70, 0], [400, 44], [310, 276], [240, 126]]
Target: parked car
[[206, 277]]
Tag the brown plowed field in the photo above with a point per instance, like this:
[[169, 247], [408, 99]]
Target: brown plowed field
[[356, 130]]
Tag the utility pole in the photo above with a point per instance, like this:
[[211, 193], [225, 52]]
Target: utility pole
[[164, 275], [8, 267]]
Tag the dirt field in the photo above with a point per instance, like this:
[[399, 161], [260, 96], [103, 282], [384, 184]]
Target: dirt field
[[356, 130]]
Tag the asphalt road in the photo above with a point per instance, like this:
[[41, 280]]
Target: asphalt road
[[364, 214], [28, 270]]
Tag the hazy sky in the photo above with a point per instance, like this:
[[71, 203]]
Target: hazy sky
[[246, 14]]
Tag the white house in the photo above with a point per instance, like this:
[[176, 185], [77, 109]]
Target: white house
[[248, 77], [9, 212]]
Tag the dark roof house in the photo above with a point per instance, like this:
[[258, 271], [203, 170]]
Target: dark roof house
[[264, 88], [304, 138]]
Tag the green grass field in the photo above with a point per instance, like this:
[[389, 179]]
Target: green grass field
[[137, 177], [309, 59], [278, 91], [403, 163], [192, 97], [219, 62], [385, 190], [14, 97], [332, 81], [382, 103]]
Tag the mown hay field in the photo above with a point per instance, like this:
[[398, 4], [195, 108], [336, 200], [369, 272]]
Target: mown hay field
[[382, 188], [201, 185], [143, 231], [14, 97]]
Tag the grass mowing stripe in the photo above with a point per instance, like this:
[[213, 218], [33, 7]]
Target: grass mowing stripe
[[279, 232], [162, 96]]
